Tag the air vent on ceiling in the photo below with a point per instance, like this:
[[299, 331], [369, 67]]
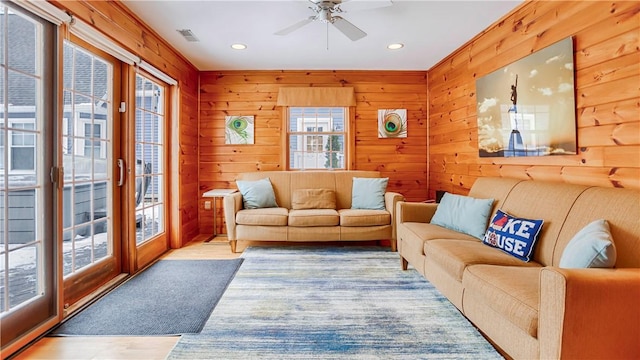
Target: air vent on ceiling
[[188, 34]]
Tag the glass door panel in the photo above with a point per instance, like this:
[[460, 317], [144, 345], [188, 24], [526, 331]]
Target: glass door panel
[[27, 266], [89, 241], [150, 159]]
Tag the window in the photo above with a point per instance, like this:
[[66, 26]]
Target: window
[[21, 147], [316, 137]]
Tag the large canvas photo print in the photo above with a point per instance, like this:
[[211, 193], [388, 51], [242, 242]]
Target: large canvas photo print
[[527, 108]]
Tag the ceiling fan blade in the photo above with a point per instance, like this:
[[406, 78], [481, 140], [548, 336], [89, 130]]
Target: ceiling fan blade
[[351, 31], [295, 26]]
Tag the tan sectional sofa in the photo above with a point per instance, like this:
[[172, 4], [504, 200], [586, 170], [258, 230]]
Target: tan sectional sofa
[[284, 223], [537, 309]]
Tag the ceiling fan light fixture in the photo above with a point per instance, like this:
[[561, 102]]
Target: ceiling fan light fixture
[[238, 46], [325, 16], [395, 46]]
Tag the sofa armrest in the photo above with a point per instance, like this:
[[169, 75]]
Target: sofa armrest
[[390, 201], [415, 212], [589, 313], [232, 204]]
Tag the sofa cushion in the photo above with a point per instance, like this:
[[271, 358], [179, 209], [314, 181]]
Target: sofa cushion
[[314, 217], [313, 199], [464, 214], [517, 301], [515, 236], [362, 217], [265, 216], [257, 194], [591, 247], [368, 193], [454, 256]]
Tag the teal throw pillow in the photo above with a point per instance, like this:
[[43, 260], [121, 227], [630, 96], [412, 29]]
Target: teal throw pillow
[[464, 214], [591, 247], [257, 194], [515, 236], [368, 193]]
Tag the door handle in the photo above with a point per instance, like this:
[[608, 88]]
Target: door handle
[[120, 163]]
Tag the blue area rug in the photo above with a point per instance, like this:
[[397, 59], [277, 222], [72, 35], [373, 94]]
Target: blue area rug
[[171, 297], [330, 303]]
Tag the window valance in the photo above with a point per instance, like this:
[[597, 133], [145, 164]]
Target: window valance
[[316, 96]]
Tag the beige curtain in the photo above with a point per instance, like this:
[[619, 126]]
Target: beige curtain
[[316, 96]]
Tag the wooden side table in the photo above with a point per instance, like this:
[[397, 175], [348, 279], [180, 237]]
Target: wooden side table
[[215, 194]]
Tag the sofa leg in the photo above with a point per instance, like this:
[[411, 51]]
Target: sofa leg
[[394, 245], [233, 244], [404, 263]]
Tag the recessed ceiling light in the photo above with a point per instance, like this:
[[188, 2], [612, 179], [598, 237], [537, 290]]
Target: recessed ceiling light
[[238, 46], [395, 46]]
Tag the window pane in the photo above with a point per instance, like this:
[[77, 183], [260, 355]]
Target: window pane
[[3, 31], [23, 275], [101, 76], [21, 45], [2, 87], [23, 159], [100, 170], [82, 71], [67, 54], [139, 93], [24, 89]]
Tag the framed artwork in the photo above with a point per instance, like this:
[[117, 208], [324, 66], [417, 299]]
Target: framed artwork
[[527, 108], [238, 130], [392, 123]]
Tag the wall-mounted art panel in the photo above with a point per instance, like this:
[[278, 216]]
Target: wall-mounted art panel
[[392, 123], [527, 108], [239, 130]]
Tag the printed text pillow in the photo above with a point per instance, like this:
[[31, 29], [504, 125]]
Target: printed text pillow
[[515, 236]]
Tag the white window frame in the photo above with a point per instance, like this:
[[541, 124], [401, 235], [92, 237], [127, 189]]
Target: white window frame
[[307, 139], [9, 146]]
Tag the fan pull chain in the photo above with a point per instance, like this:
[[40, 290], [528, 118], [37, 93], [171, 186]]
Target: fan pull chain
[[327, 36]]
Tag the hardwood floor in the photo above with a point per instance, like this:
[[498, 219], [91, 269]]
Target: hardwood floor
[[132, 347]]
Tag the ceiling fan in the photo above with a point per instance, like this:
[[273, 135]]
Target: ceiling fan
[[326, 11]]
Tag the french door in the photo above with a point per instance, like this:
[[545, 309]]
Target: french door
[[146, 145], [28, 283], [83, 172], [90, 147]]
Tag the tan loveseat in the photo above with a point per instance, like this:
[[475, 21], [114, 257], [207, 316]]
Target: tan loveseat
[[283, 223], [536, 309]]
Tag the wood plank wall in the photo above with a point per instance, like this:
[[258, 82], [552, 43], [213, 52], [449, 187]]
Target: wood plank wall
[[607, 73], [114, 20], [255, 93]]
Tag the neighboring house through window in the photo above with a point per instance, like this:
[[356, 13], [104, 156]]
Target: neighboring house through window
[[21, 143]]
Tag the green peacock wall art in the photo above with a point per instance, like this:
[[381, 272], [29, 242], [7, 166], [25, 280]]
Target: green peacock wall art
[[239, 130], [392, 123]]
